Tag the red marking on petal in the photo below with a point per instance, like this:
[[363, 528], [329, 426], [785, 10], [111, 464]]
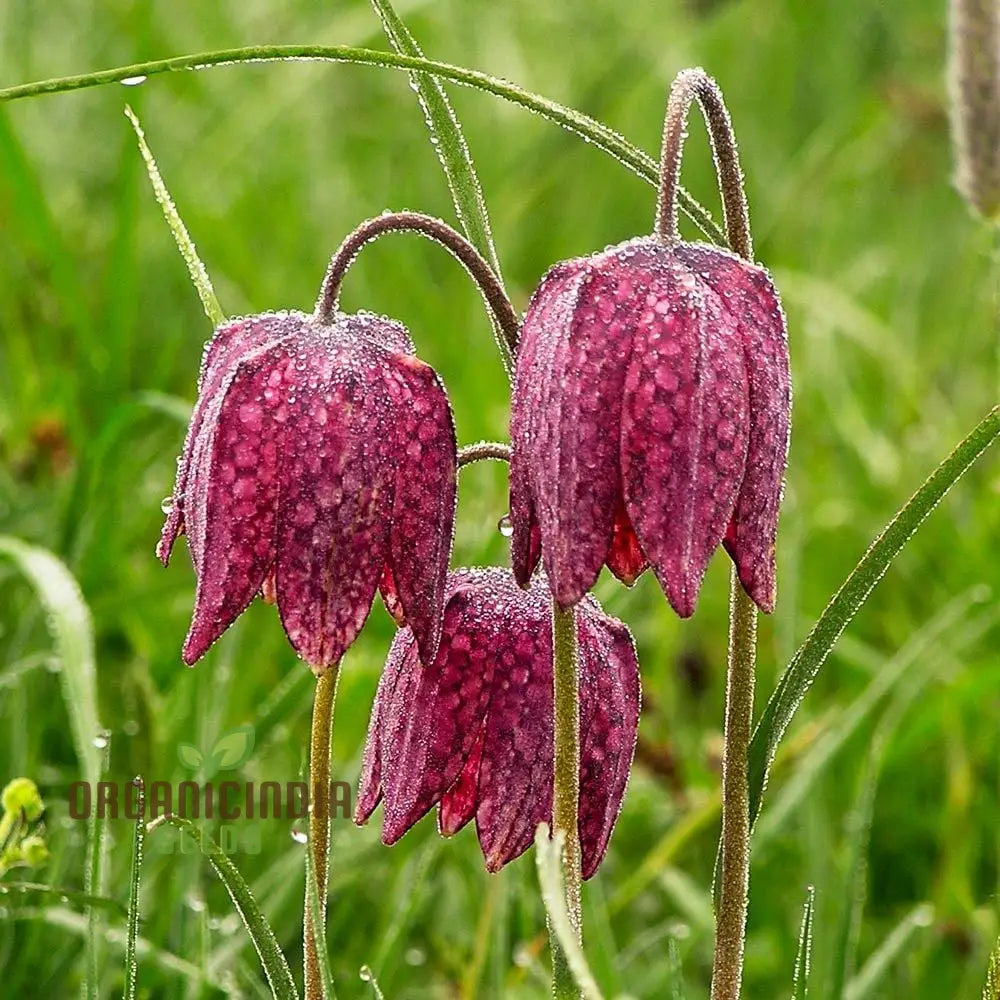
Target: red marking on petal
[[747, 292], [390, 596], [625, 556], [684, 432], [458, 804]]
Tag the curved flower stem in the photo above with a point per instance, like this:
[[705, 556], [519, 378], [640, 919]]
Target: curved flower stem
[[503, 312], [734, 871], [688, 85], [566, 782], [319, 823], [484, 451], [734, 846]]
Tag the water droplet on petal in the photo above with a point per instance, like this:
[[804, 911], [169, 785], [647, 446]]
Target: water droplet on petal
[[505, 526], [167, 505]]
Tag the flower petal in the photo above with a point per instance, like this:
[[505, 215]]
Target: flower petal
[[609, 722], [337, 481], [231, 343], [432, 723], [515, 774], [541, 329], [423, 515], [233, 496], [400, 662], [748, 293], [684, 431]]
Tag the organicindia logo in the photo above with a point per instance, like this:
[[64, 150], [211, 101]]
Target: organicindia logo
[[212, 792]]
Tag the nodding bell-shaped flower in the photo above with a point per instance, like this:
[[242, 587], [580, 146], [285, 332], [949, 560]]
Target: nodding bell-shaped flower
[[472, 731], [320, 463], [650, 419]]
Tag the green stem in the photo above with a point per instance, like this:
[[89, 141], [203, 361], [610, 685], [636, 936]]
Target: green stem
[[319, 825], [566, 783], [734, 882], [600, 135]]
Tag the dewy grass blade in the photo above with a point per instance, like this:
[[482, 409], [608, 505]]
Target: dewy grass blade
[[866, 983], [452, 150], [604, 138], [991, 990], [276, 969], [448, 140], [548, 854], [132, 930], [366, 975], [846, 603], [800, 978], [199, 275], [69, 623]]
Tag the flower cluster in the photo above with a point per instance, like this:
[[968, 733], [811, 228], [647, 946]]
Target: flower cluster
[[649, 425]]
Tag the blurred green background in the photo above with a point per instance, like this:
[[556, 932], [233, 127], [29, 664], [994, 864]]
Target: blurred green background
[[886, 795]]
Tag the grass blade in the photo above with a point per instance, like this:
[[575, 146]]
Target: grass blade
[[867, 981], [896, 672], [548, 852], [603, 137], [276, 969], [800, 978], [132, 929], [62, 893], [810, 656], [199, 276], [452, 151], [69, 623], [448, 141]]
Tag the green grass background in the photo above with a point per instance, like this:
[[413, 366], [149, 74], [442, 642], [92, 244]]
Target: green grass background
[[888, 285]]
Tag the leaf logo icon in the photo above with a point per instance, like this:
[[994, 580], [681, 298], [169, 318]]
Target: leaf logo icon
[[230, 751], [189, 756]]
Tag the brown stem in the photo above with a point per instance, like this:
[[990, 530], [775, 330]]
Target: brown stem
[[434, 229], [691, 84], [566, 782], [734, 873], [319, 823]]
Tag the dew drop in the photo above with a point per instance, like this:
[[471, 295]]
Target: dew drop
[[300, 836], [167, 505], [505, 526], [133, 81], [100, 741]]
